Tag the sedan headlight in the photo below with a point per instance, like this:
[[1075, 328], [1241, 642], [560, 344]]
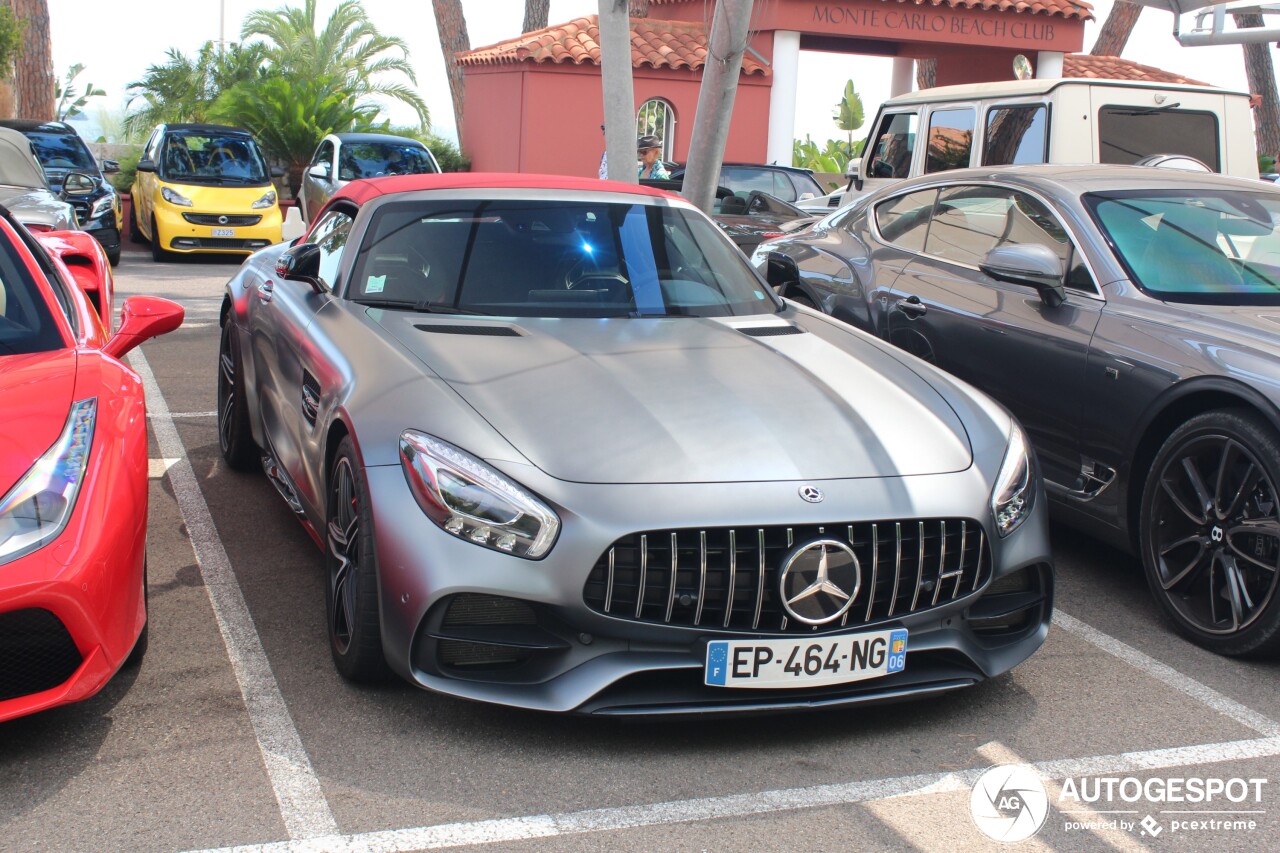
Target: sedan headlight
[[472, 501], [1011, 498], [103, 206], [266, 201], [174, 197], [39, 505]]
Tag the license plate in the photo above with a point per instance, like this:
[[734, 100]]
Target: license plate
[[224, 232], [806, 663]]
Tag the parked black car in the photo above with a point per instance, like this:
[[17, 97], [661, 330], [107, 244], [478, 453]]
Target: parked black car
[[60, 151], [1130, 319], [785, 182], [749, 218]]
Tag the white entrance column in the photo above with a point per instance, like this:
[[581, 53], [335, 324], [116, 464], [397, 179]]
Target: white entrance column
[[904, 76], [782, 97], [1049, 64]]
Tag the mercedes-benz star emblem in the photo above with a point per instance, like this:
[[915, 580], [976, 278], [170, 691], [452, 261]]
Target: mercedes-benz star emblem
[[222, 220], [819, 581], [812, 494]]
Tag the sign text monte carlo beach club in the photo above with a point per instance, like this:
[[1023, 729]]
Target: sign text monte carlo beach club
[[941, 24]]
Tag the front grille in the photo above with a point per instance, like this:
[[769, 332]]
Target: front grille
[[216, 243], [82, 210], [226, 219], [727, 578], [36, 653]]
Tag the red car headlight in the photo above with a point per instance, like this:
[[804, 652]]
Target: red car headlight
[[39, 505]]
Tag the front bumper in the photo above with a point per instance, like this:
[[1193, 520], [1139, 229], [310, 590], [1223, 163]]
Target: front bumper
[[177, 234], [557, 653]]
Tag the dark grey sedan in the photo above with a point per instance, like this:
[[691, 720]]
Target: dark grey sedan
[[1130, 318]]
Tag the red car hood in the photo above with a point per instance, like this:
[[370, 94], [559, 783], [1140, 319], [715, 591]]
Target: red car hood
[[35, 396]]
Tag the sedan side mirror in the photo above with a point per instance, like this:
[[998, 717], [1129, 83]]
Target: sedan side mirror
[[1030, 264], [301, 263], [146, 164], [780, 271], [854, 173], [110, 167], [319, 170], [141, 319], [77, 184]]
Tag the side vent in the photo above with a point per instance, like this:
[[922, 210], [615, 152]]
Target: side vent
[[483, 331], [770, 331]]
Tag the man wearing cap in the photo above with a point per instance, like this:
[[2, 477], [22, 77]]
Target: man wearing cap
[[648, 148]]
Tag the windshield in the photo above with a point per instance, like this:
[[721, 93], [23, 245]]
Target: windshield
[[373, 159], [1212, 247], [554, 259], [62, 152], [26, 324], [212, 158]]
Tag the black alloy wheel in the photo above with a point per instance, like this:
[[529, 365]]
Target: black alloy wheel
[[351, 594], [235, 439], [799, 297], [1211, 532]]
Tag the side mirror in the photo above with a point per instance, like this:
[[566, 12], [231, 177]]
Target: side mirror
[[141, 319], [854, 173], [780, 271], [319, 170], [277, 172], [1030, 264], [110, 167], [301, 263], [146, 164], [77, 184]]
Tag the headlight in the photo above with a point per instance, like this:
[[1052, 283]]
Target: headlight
[[174, 197], [39, 505], [474, 502], [103, 206], [1011, 498], [266, 201]]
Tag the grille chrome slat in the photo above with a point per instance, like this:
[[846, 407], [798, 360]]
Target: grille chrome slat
[[620, 580]]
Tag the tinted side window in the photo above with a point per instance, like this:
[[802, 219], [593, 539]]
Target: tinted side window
[[904, 221], [331, 234], [950, 140], [891, 146], [782, 187], [1127, 134], [324, 156], [1016, 135], [743, 181]]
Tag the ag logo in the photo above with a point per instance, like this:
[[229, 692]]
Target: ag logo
[[1009, 803]]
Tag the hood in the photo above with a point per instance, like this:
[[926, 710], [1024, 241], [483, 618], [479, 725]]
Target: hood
[[685, 399], [39, 207], [213, 198], [35, 396]]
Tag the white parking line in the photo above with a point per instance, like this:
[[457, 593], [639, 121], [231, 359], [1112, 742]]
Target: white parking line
[[303, 808], [176, 415], [739, 805], [1203, 693]]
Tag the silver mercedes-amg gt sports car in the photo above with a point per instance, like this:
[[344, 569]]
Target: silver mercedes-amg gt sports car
[[565, 450]]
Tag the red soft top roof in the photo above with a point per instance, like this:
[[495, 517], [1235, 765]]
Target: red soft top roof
[[363, 190]]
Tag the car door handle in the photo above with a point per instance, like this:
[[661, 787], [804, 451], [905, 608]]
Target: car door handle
[[912, 306], [264, 291]]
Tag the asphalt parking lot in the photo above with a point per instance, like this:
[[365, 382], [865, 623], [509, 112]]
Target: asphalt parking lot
[[237, 732]]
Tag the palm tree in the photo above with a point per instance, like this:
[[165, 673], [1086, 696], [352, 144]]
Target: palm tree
[[349, 51], [184, 88]]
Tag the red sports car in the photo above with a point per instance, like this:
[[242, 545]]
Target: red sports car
[[73, 470]]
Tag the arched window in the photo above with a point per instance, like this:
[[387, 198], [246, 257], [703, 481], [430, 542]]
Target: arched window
[[657, 118]]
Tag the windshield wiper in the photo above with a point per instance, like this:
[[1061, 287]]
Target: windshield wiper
[[420, 307]]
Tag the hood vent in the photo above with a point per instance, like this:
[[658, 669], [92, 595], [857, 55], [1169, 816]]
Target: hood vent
[[458, 329], [770, 331]]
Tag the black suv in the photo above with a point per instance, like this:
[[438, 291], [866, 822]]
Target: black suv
[[785, 182], [60, 150]]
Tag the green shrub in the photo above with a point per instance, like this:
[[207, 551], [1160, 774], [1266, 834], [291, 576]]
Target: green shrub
[[123, 180], [448, 155]]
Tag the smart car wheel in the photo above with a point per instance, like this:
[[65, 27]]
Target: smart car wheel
[[1211, 532], [135, 229], [235, 438], [158, 252], [351, 594]]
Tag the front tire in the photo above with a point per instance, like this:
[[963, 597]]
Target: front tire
[[1210, 532], [235, 438], [158, 252], [135, 229], [351, 593]]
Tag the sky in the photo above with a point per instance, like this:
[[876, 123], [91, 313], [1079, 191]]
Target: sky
[[117, 45]]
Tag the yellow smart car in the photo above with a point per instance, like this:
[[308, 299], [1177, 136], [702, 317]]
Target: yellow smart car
[[204, 188]]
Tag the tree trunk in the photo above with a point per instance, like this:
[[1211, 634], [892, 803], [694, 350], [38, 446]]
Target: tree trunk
[[618, 90], [1116, 28], [926, 73], [33, 80], [535, 14], [452, 27], [1262, 82], [639, 8]]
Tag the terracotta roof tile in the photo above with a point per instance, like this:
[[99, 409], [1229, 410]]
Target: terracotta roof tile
[[654, 44], [1064, 8], [1115, 68]]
